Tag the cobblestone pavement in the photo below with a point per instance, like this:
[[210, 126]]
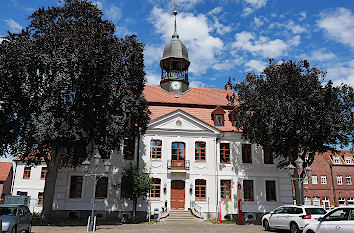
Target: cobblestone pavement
[[159, 227]]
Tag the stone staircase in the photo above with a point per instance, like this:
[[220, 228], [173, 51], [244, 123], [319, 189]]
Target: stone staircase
[[180, 216]]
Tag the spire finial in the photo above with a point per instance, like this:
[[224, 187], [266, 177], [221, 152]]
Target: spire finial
[[175, 7]]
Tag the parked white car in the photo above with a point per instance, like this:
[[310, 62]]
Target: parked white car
[[292, 217], [339, 220]]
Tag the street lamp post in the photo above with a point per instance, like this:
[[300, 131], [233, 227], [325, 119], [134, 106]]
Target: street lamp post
[[301, 175], [95, 177]]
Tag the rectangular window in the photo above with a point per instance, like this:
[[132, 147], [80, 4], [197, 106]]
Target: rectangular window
[[27, 173], [268, 155], [270, 190], [307, 201], [200, 190], [336, 160], [316, 201], [40, 199], [101, 188], [75, 187], [339, 180], [156, 188], [43, 172], [219, 120], [348, 179], [225, 190], [200, 151], [128, 149], [314, 179], [341, 201], [306, 180], [155, 149], [19, 193], [323, 179], [123, 193], [348, 160], [248, 194], [246, 153], [350, 201], [224, 153]]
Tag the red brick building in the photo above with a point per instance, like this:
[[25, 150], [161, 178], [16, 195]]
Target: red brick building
[[331, 181]]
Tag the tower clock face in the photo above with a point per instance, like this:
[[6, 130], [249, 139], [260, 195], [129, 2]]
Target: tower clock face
[[176, 85]]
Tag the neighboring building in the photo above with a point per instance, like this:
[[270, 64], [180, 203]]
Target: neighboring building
[[29, 180], [193, 152], [331, 181], [6, 173]]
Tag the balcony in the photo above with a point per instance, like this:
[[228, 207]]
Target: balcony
[[178, 164]]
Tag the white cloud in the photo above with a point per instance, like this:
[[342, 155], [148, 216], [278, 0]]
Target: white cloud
[[263, 45], [252, 5], [255, 65], [339, 25], [342, 73], [319, 55], [303, 15], [152, 54], [219, 27], [152, 79], [14, 26], [258, 21], [216, 11], [290, 26], [114, 13], [197, 84], [194, 32]]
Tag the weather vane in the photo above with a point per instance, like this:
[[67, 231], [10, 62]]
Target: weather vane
[[175, 7]]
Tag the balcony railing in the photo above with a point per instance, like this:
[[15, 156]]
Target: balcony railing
[[178, 164]]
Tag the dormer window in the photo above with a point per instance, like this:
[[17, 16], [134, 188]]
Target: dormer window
[[336, 160], [219, 120], [218, 116]]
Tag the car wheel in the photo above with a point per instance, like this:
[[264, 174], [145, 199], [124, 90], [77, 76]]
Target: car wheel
[[14, 230], [266, 225], [29, 229], [294, 228]]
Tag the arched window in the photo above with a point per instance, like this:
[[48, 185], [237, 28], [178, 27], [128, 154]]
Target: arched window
[[178, 150]]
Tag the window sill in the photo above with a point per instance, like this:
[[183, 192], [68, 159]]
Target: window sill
[[225, 162], [154, 199], [26, 178], [226, 200], [200, 161], [201, 200]]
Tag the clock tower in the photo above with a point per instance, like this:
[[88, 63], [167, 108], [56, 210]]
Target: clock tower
[[174, 65]]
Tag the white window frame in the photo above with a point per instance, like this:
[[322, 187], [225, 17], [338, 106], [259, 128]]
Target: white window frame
[[348, 178], [316, 201], [307, 201], [325, 202], [314, 180], [348, 160], [339, 180], [342, 199], [323, 179], [351, 201], [336, 160], [306, 180]]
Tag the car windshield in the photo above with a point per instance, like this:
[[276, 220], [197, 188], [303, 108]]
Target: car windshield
[[315, 211], [9, 211]]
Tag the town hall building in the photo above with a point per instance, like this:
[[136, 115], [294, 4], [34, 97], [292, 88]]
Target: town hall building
[[193, 152]]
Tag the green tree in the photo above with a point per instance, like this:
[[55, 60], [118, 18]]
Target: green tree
[[289, 109], [68, 85], [135, 183]]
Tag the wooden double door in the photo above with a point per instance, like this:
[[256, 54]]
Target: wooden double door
[[177, 194]]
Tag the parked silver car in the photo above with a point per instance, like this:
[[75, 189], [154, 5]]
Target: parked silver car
[[339, 220], [15, 218]]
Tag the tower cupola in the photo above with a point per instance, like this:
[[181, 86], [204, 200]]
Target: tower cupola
[[174, 65]]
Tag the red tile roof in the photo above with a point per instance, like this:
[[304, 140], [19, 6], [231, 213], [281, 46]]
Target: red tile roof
[[198, 102], [4, 170]]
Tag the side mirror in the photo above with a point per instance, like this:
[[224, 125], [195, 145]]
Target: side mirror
[[320, 219]]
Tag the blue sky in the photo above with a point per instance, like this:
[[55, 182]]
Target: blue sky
[[227, 38]]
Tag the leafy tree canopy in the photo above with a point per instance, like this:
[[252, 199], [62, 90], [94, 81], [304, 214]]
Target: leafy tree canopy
[[68, 85], [289, 109]]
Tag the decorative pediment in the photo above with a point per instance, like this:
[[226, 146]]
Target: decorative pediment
[[181, 121]]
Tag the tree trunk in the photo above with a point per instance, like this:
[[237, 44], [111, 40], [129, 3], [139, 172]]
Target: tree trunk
[[49, 188], [134, 209]]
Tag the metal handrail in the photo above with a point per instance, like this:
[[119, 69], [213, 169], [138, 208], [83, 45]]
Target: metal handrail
[[178, 164], [196, 209]]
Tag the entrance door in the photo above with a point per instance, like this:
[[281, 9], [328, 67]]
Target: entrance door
[[177, 195]]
